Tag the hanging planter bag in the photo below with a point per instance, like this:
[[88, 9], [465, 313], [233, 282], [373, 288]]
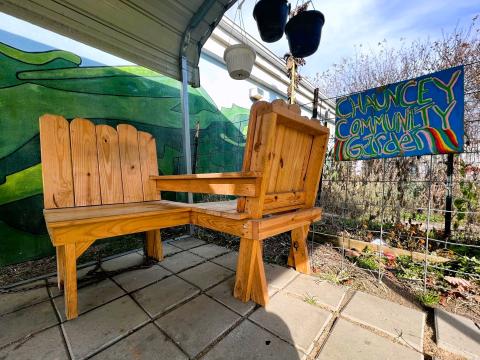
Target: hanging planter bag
[[239, 59], [271, 17], [303, 33]]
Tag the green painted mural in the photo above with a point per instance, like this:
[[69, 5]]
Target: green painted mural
[[32, 84]]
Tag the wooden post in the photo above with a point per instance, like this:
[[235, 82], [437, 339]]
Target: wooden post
[[154, 245], [299, 249], [60, 265], [250, 282], [70, 291]]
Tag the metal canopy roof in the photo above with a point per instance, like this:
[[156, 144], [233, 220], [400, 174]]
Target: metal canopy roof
[[151, 33]]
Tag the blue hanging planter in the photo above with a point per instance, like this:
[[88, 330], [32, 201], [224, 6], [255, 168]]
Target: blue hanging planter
[[304, 31], [271, 17]]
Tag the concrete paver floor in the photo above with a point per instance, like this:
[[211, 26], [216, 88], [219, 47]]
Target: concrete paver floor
[[183, 308]]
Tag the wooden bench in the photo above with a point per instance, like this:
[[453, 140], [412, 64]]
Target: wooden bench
[[100, 182]]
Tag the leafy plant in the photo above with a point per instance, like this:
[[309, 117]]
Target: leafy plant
[[310, 299], [409, 269], [335, 277], [429, 298], [368, 262], [468, 267]]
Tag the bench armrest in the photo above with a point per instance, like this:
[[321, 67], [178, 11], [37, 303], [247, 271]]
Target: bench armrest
[[232, 183]]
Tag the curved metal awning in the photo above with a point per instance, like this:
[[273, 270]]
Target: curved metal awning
[[151, 33]]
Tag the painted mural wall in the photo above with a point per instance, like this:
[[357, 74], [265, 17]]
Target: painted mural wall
[[61, 82]]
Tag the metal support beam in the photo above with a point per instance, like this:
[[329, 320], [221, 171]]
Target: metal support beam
[[315, 103], [448, 200], [187, 151]]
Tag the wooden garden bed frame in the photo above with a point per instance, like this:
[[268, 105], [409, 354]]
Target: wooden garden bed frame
[[100, 182]]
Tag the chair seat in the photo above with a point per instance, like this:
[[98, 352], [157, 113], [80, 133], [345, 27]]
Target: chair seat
[[225, 209], [89, 214]]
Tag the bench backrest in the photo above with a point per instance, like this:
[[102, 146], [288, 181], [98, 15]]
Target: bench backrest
[[84, 164], [289, 150]]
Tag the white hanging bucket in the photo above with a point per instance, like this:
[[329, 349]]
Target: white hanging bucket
[[239, 59]]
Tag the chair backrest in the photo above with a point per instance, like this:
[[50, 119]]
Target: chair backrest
[[84, 164], [289, 150]]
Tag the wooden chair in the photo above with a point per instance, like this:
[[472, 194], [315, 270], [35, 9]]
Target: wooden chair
[[100, 182], [96, 184], [277, 187]]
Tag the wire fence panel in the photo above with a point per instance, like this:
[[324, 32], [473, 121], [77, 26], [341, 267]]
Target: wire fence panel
[[410, 204]]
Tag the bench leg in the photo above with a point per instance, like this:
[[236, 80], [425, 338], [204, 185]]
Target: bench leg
[[299, 251], [60, 265], [154, 245], [250, 282], [70, 288]]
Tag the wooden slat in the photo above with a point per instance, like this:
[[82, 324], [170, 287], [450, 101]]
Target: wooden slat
[[110, 173], [306, 158], [84, 162], [227, 175], [301, 153], [239, 187], [240, 228], [56, 162], [108, 227], [227, 209], [286, 200], [148, 164], [267, 227], [80, 215], [261, 161], [130, 163], [256, 109], [315, 165], [289, 151], [293, 119], [277, 150]]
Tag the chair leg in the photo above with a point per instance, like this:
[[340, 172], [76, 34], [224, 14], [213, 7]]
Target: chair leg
[[299, 249], [70, 290], [250, 282], [154, 245], [60, 265], [291, 259]]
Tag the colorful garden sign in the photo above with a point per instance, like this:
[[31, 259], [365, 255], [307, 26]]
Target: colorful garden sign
[[414, 117]]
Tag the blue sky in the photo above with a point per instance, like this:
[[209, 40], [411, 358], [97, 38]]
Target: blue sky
[[366, 22], [348, 23]]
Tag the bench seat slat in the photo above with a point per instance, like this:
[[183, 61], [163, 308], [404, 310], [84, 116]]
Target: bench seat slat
[[59, 217]]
